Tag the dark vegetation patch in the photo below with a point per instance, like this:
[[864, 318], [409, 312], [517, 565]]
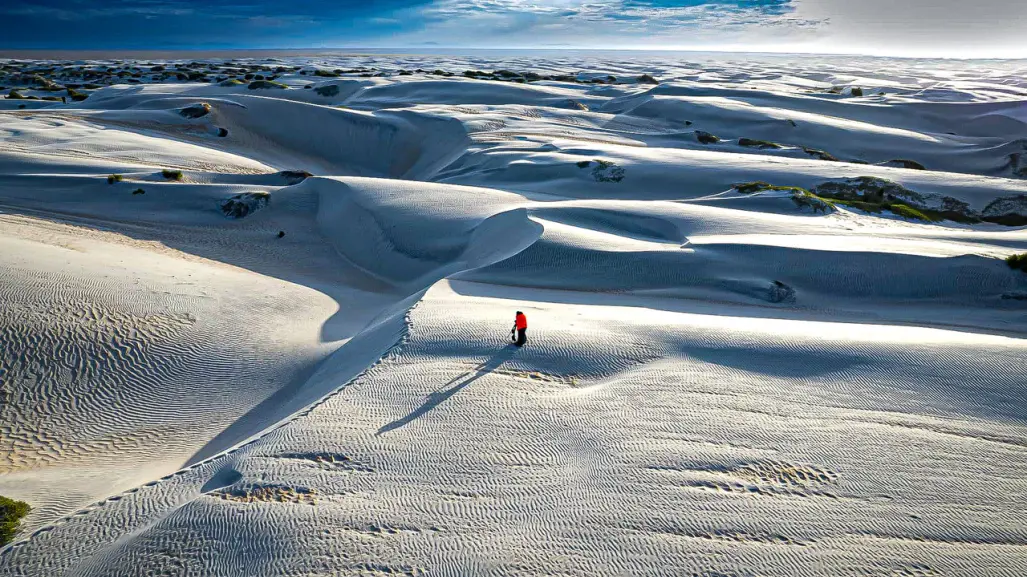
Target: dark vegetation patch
[[875, 195], [761, 144], [244, 204], [1018, 163], [822, 155], [263, 84], [15, 95], [295, 176], [138, 191], [779, 292], [11, 514], [222, 132], [856, 91], [172, 174], [583, 163], [111, 179], [705, 137], [77, 96], [760, 186], [327, 91], [805, 199], [1017, 261], [606, 171], [196, 110], [906, 163]]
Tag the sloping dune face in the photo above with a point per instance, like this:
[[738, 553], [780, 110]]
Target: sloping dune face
[[255, 317]]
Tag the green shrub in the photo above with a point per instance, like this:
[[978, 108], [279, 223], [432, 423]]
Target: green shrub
[[1017, 261], [172, 174], [822, 155], [757, 143], [138, 191], [114, 178], [265, 84], [906, 163], [705, 137], [760, 186], [906, 211], [583, 163], [327, 91], [198, 110], [11, 513], [326, 74], [804, 199]]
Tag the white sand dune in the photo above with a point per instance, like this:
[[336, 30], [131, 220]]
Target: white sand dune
[[292, 359]]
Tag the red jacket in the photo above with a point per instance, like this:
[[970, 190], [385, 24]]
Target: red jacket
[[521, 322]]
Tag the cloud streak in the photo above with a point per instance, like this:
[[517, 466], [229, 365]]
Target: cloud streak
[[928, 27]]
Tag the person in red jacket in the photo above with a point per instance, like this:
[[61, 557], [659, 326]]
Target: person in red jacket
[[521, 328]]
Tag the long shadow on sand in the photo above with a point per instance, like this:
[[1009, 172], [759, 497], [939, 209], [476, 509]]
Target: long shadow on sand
[[443, 393]]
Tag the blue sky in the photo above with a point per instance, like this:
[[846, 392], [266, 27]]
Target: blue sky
[[890, 27]]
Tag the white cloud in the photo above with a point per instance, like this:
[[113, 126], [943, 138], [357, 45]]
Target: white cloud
[[950, 28], [600, 23]]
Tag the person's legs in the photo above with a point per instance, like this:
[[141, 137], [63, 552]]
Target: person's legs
[[522, 337]]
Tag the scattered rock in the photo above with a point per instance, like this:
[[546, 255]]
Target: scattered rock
[[646, 79], [779, 292], [705, 137], [244, 204], [196, 110], [222, 132]]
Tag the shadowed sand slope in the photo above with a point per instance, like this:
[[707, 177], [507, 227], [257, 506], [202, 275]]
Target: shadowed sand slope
[[262, 328]]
